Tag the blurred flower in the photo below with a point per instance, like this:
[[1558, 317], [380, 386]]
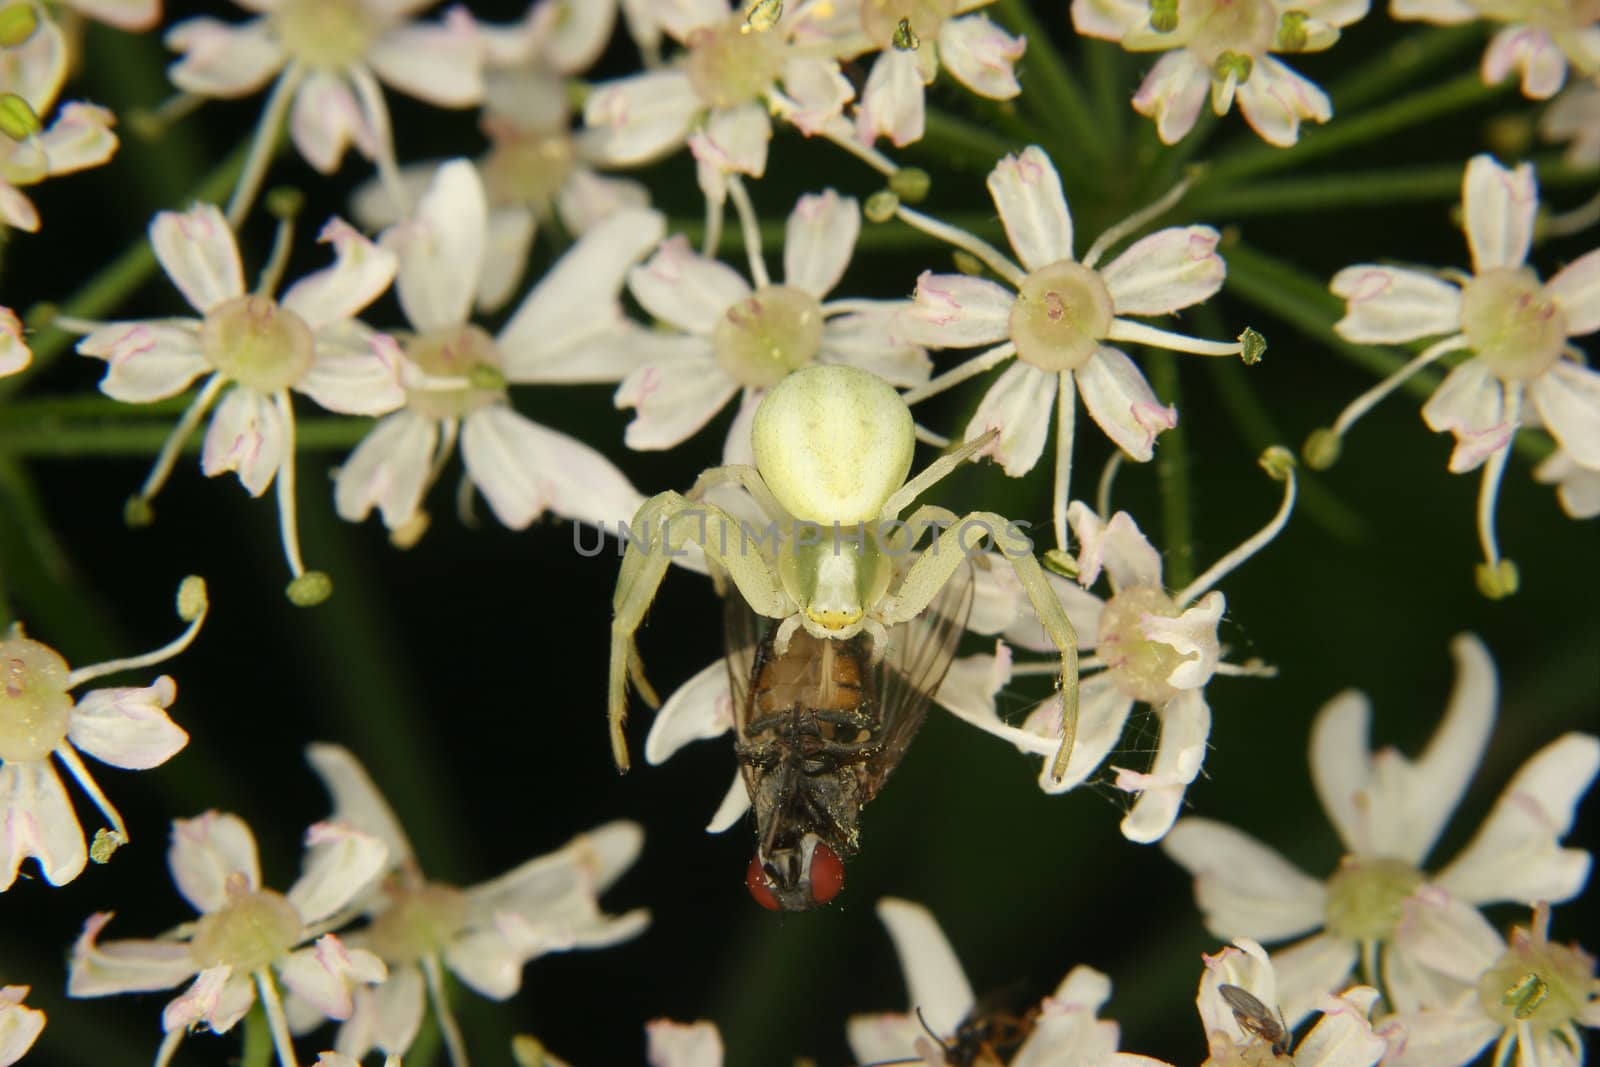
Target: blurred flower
[[132, 15], [1577, 486], [673, 1044], [485, 934], [1055, 315], [1523, 369], [570, 328], [1389, 812], [1574, 117], [19, 1025], [1226, 48], [125, 727], [731, 339], [15, 355], [1538, 41], [246, 934]]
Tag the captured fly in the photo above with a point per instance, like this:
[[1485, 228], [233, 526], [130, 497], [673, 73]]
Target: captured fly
[[819, 727], [1255, 1018]]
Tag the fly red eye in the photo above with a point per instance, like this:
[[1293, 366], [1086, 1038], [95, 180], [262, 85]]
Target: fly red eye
[[756, 879], [827, 874]]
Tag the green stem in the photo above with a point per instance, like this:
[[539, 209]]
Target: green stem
[[1172, 475], [1400, 64], [257, 1050], [1058, 100], [962, 143], [138, 435], [1109, 83]]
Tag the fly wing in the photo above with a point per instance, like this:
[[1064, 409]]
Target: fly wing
[[913, 666], [743, 632]]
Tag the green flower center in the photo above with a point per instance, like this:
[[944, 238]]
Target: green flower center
[[1062, 313], [257, 343], [34, 705], [1512, 324], [925, 18], [1367, 896], [326, 34], [1139, 665], [463, 365], [527, 167], [731, 65], [1214, 28], [248, 933], [768, 334], [1544, 985], [419, 922]]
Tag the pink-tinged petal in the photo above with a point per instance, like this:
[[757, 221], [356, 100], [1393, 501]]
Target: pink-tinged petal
[[20, 1027], [817, 91], [1119, 398], [1019, 404], [523, 469], [325, 973], [207, 852], [1309, 971], [680, 18], [1066, 1027], [1193, 635], [1500, 205], [956, 311], [1447, 934], [197, 250], [202, 1002], [819, 238], [886, 1037], [1109, 20], [1448, 1037], [440, 248], [340, 863], [981, 56], [870, 339], [670, 1044], [15, 355], [326, 119], [571, 327], [505, 255], [149, 360], [1185, 726], [79, 138], [128, 727], [1411, 985], [934, 978], [732, 141], [1027, 191], [36, 819], [386, 1016], [1471, 404], [1576, 291], [589, 198], [357, 802], [1102, 713], [892, 103], [388, 470], [360, 273], [1390, 305], [1531, 52], [1344, 1036], [1577, 487], [1174, 268], [640, 118], [1567, 398], [1117, 545], [1575, 118], [356, 370], [1173, 93], [1516, 855], [224, 59], [1276, 99], [674, 396], [246, 435], [435, 62], [1247, 967], [1242, 886], [1438, 12], [685, 289], [701, 708]]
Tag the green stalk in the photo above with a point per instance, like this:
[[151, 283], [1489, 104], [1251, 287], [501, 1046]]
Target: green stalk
[[1172, 475], [962, 143], [1401, 64], [138, 435], [257, 1050], [1056, 98]]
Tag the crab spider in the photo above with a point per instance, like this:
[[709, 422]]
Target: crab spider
[[833, 447]]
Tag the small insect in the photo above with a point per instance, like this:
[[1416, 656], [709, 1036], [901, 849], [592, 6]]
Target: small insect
[[979, 1040], [905, 38], [1525, 995], [761, 16], [1255, 1018], [819, 727]]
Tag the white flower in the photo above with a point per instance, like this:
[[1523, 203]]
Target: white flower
[[733, 338], [15, 355], [79, 138], [248, 938], [1523, 369], [1538, 40], [1530, 993], [485, 934], [671, 1044], [309, 342], [1055, 316], [1224, 48], [1574, 117], [125, 727], [570, 328], [1577, 486], [19, 1025], [133, 15], [1389, 812]]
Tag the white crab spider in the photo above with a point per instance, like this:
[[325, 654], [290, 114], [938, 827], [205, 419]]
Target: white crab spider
[[833, 446]]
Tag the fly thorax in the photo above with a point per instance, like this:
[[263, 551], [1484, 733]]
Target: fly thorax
[[326, 34], [730, 64], [1366, 897], [1061, 314], [835, 575], [257, 342], [1512, 324], [1546, 986], [1226, 34], [418, 922], [250, 931], [1139, 666], [765, 336], [922, 20], [526, 166], [34, 705], [461, 373]]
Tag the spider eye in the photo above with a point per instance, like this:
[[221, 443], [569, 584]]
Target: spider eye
[[755, 879], [827, 874]]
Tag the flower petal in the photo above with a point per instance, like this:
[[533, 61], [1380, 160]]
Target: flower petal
[[956, 311], [340, 863], [1471, 404], [1532, 52], [20, 1026], [1576, 289], [1027, 192], [1185, 726], [671, 1044], [675, 395], [681, 287], [701, 708], [360, 273], [1117, 546], [357, 801], [436, 62], [892, 103], [128, 727], [15, 355], [1499, 205], [1102, 713], [524, 469], [1121, 401], [197, 250], [819, 237], [981, 56], [1275, 99], [1019, 405], [1193, 635], [1173, 93], [36, 819], [79, 138], [885, 1037], [1450, 1037], [816, 90], [217, 999], [1447, 934], [148, 360], [1567, 397], [356, 370], [938, 987], [1577, 487], [1242, 886], [869, 339], [637, 119], [324, 974], [326, 118], [1168, 270], [1393, 305], [440, 248], [246, 435], [224, 59], [1343, 1037], [1310, 970], [208, 851], [732, 141], [735, 802], [388, 470]]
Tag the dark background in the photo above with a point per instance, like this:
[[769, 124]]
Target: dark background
[[469, 672]]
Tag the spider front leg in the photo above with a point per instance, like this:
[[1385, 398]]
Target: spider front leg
[[939, 561], [660, 529]]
